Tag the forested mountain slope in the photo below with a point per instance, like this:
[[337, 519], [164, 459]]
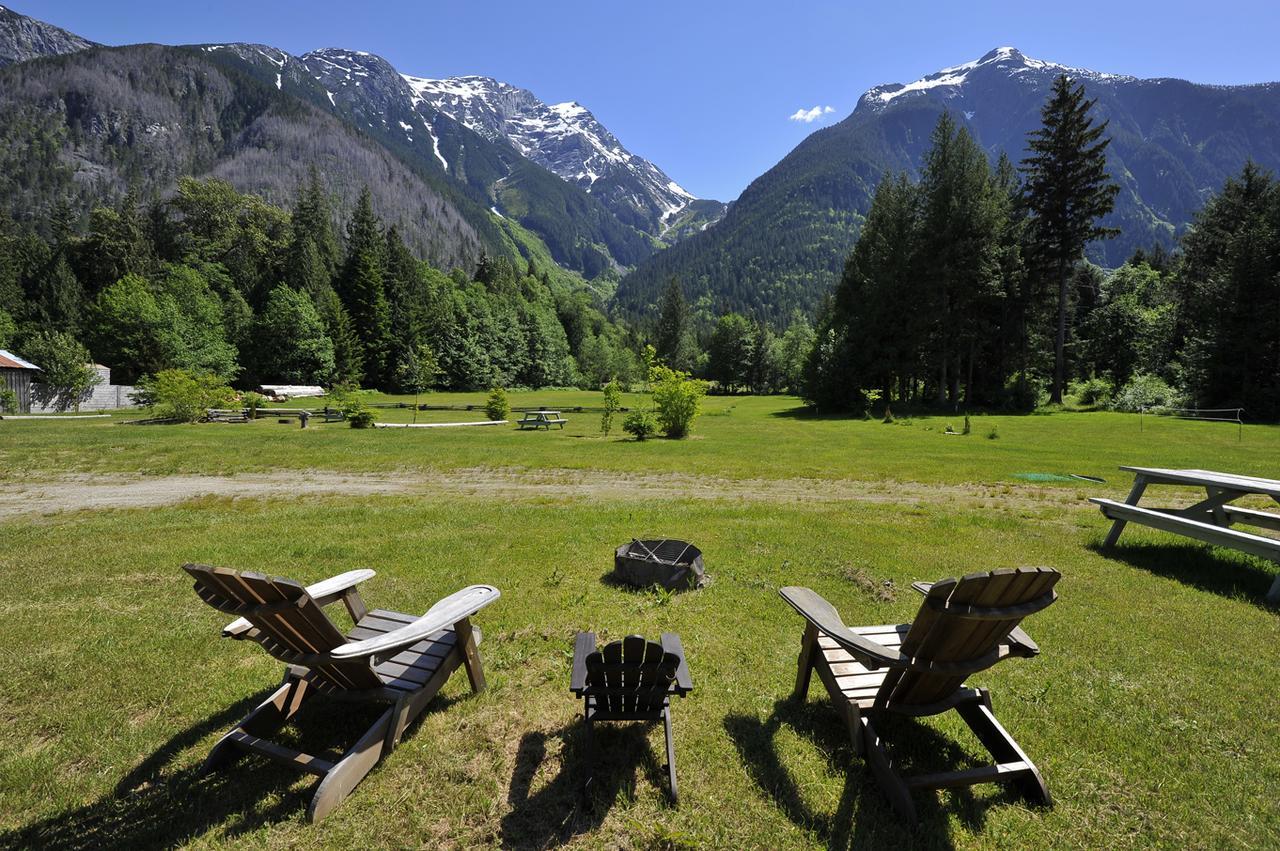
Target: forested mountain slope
[[90, 125], [784, 241]]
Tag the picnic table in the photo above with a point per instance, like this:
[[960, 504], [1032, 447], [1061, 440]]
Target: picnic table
[[541, 419], [1209, 520]]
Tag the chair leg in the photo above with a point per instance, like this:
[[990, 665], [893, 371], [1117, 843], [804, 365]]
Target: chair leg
[[996, 739], [671, 756], [355, 764], [877, 756], [804, 665], [269, 716], [466, 638]]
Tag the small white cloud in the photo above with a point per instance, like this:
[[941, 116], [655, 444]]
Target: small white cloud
[[808, 116]]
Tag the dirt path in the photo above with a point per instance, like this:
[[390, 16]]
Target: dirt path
[[73, 493]]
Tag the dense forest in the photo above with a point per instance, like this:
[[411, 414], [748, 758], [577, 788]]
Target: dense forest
[[965, 292], [219, 282]]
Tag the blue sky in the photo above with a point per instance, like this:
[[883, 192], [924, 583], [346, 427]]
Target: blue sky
[[705, 89]]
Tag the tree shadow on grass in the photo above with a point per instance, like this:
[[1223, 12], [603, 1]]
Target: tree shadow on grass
[[160, 805], [863, 817], [1218, 571], [586, 785]]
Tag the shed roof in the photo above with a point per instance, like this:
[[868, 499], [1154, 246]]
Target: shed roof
[[8, 360]]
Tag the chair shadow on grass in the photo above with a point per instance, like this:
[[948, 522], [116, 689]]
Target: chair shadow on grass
[[863, 817], [1218, 571], [160, 805], [587, 782]]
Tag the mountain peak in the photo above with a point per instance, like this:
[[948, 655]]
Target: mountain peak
[[23, 38], [949, 83]]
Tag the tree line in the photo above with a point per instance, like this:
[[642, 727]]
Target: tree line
[[218, 282], [969, 289]]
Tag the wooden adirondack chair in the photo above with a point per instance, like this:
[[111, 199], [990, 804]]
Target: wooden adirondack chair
[[964, 626], [388, 658], [631, 680]]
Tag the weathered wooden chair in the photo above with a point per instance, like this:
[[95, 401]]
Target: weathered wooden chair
[[388, 658], [918, 669], [631, 680]]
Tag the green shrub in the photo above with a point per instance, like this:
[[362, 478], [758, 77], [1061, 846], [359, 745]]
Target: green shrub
[[612, 404], [496, 406], [183, 395], [1146, 391], [1092, 391], [362, 417], [252, 402], [8, 401], [677, 398], [640, 424]]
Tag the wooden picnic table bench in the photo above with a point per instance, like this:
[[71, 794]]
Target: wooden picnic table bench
[[1209, 520], [541, 419]]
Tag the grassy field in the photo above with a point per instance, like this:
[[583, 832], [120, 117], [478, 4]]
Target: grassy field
[[1151, 711]]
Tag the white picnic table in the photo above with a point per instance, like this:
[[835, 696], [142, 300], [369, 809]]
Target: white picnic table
[[1210, 519]]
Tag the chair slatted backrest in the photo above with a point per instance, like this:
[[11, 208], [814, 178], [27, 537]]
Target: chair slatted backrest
[[963, 620], [631, 676], [287, 622]]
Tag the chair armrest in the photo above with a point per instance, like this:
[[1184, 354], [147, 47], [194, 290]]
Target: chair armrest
[[922, 587], [446, 613], [583, 646], [323, 592], [671, 644], [826, 619]]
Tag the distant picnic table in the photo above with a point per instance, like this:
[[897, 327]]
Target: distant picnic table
[[541, 419], [1209, 520]]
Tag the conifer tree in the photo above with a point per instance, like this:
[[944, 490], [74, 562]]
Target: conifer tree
[[672, 342], [362, 289], [348, 364], [1067, 190]]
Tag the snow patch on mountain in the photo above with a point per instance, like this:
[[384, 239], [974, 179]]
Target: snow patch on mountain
[[565, 138], [1008, 60]]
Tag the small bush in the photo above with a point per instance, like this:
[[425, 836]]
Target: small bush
[[8, 401], [252, 402], [361, 418], [183, 395], [994, 434], [612, 404], [678, 399], [1093, 391], [1146, 391], [640, 424], [496, 406]]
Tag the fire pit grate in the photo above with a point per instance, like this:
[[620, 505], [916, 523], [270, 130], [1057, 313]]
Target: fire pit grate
[[669, 563]]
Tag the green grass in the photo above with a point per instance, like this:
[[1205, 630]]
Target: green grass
[[1151, 711]]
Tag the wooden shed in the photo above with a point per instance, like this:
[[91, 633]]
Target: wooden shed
[[16, 375]]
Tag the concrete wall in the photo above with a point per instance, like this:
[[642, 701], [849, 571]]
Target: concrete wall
[[103, 396]]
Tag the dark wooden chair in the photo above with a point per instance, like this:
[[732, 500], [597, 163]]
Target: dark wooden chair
[[388, 658], [631, 680], [918, 669]]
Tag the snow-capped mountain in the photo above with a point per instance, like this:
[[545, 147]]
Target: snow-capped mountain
[[950, 83], [1173, 144], [564, 138]]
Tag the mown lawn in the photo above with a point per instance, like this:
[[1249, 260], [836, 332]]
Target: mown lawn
[[1151, 711]]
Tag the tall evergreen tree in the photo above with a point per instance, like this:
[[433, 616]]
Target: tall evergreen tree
[[362, 288], [348, 363], [1067, 190], [673, 341]]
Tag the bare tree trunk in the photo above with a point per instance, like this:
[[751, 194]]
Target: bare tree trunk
[[1060, 339]]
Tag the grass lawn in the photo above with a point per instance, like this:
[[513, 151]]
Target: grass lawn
[[1151, 711]]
